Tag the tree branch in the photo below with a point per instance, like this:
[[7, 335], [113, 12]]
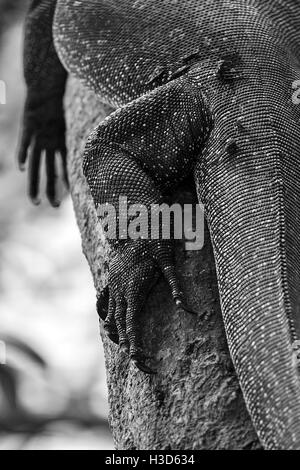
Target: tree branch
[[194, 401]]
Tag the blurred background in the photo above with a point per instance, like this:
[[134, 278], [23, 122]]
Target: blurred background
[[52, 387]]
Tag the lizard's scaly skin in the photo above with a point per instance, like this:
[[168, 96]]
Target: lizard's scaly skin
[[203, 85]]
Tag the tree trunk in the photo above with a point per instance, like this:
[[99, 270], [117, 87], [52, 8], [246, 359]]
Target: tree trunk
[[194, 401]]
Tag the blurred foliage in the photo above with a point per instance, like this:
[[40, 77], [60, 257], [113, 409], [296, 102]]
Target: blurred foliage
[[15, 418], [11, 10], [52, 387]]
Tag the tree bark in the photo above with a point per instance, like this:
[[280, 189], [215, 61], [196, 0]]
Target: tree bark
[[194, 401]]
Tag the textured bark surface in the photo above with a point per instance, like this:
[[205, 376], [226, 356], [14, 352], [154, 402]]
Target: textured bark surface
[[194, 401]]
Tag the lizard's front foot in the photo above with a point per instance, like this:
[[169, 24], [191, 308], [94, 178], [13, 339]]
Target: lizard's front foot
[[43, 132], [133, 272]]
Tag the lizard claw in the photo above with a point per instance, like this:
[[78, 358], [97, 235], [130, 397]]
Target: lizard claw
[[124, 348], [142, 367], [139, 362], [180, 305], [171, 278], [113, 337]]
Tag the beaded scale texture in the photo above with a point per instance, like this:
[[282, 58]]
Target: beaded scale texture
[[203, 87]]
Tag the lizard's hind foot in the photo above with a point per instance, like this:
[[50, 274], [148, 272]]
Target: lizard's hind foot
[[133, 272]]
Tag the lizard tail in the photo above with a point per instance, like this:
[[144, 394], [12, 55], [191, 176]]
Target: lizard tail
[[248, 178], [251, 229]]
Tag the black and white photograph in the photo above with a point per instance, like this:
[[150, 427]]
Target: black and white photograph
[[150, 227]]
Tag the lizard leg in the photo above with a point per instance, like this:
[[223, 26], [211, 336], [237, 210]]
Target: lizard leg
[[136, 263], [43, 126], [138, 153]]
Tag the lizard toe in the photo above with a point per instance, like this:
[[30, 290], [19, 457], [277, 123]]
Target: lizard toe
[[102, 303], [167, 266], [120, 319], [111, 329]]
